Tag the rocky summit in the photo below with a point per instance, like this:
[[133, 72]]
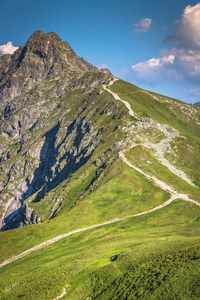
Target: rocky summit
[[106, 173], [43, 56]]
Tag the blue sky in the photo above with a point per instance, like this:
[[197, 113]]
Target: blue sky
[[138, 41]]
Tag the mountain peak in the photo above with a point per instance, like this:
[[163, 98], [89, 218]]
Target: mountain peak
[[40, 33], [39, 38], [50, 47], [44, 56]]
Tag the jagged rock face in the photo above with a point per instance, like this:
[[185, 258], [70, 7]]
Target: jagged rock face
[[43, 56]]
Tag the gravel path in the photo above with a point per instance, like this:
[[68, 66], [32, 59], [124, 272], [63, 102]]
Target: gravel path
[[118, 98]]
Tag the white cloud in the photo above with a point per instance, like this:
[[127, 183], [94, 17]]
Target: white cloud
[[152, 70], [143, 25], [195, 91], [7, 48], [187, 29], [180, 63], [174, 64]]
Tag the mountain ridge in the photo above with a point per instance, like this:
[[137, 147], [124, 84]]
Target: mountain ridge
[[80, 147]]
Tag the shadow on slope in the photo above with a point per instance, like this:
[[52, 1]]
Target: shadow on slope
[[44, 179]]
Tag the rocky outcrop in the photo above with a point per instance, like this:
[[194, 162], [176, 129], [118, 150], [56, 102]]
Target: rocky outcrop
[[22, 216], [158, 137]]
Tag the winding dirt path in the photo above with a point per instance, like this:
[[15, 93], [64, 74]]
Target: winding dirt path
[[118, 98], [64, 292]]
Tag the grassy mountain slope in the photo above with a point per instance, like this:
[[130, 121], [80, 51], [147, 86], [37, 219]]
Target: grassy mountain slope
[[83, 261], [155, 256]]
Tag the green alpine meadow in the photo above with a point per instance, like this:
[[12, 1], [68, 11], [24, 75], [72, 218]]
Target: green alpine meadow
[[99, 182]]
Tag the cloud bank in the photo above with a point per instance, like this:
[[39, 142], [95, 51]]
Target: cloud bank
[[7, 48], [187, 29], [181, 62], [143, 25]]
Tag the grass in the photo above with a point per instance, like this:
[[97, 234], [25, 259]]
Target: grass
[[84, 258], [123, 191], [158, 275]]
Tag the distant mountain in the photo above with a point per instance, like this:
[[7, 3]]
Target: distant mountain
[[197, 104], [113, 167]]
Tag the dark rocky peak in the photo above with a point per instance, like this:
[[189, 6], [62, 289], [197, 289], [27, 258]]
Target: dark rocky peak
[[48, 46], [44, 56], [40, 39]]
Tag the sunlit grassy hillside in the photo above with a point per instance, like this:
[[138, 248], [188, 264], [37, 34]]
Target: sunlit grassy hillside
[[153, 256]]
